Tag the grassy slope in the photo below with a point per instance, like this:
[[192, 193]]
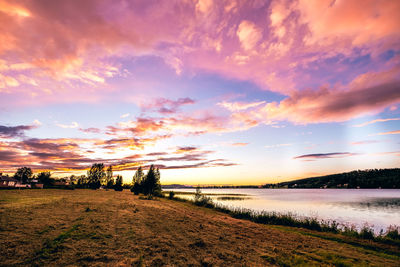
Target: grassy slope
[[84, 227]]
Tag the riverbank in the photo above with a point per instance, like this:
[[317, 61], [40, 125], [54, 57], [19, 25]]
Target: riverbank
[[85, 227]]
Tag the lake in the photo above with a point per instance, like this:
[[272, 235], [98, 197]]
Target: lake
[[377, 208]]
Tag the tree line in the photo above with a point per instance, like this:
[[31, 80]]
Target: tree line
[[98, 176], [373, 178]]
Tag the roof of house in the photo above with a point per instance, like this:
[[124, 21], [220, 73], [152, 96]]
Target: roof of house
[[7, 178]]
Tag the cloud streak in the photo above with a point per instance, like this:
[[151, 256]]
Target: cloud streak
[[311, 157], [375, 121], [389, 133]]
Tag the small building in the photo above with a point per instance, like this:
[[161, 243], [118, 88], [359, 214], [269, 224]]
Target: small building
[[19, 185], [7, 182], [40, 186]]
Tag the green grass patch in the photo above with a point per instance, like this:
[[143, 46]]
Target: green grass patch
[[52, 246]]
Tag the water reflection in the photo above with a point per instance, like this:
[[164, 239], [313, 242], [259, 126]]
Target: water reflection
[[376, 207], [388, 204]]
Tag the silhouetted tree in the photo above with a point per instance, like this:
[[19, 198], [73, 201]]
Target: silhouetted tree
[[137, 181], [82, 181], [23, 174], [118, 183], [96, 175], [109, 177], [151, 183], [45, 178], [72, 179]]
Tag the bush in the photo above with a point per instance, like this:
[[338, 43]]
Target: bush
[[202, 200], [393, 233], [367, 233], [136, 188], [118, 183], [171, 194], [70, 187]]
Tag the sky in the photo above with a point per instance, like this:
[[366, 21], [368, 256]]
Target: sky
[[211, 92]]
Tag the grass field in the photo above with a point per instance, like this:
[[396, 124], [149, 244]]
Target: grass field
[[86, 227]]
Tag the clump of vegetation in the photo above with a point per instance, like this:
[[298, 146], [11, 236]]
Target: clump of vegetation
[[148, 184], [202, 200], [96, 175], [109, 182], [24, 175], [118, 183], [45, 179], [137, 181], [393, 233], [171, 194]]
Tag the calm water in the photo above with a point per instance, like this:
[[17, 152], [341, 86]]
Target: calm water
[[379, 208]]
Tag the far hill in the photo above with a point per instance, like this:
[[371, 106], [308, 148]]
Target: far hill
[[375, 178]]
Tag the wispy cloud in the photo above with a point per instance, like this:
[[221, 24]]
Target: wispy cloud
[[166, 106], [311, 157], [375, 121], [240, 144], [364, 142], [278, 145], [66, 126], [125, 115], [387, 133], [238, 106], [90, 130]]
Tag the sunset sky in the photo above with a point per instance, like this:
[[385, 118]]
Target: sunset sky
[[213, 92]]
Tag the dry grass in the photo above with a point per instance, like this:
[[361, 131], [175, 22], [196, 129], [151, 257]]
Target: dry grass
[[85, 227]]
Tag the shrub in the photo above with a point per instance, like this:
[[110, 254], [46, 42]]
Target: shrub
[[171, 194], [118, 183], [367, 233], [136, 188], [393, 233]]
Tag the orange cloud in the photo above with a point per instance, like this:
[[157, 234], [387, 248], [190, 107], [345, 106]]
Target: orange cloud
[[240, 144], [391, 132]]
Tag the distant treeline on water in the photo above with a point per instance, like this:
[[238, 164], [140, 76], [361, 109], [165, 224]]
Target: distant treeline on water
[[374, 178]]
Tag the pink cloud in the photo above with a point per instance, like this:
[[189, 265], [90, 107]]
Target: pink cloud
[[375, 121], [365, 142], [330, 104], [63, 52], [355, 22], [238, 106], [166, 106]]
